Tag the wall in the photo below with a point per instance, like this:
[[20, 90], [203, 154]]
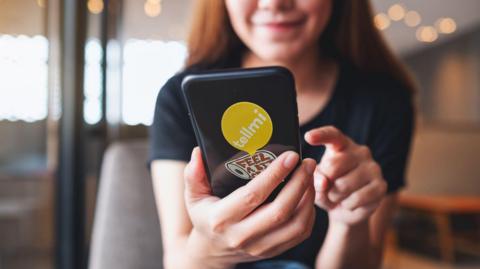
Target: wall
[[446, 153]]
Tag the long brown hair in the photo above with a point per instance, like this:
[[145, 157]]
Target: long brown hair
[[349, 36]]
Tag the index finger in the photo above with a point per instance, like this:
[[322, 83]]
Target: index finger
[[245, 199], [329, 136]]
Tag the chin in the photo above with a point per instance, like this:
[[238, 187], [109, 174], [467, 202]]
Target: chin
[[278, 54]]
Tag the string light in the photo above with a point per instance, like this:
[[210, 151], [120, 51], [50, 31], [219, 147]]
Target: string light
[[412, 18], [152, 8], [426, 34], [381, 21], [446, 25], [95, 6], [396, 12]]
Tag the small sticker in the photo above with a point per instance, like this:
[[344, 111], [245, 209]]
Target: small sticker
[[249, 166], [247, 126]]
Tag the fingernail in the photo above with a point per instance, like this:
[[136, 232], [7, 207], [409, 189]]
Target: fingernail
[[310, 167], [193, 157], [291, 160], [324, 184]]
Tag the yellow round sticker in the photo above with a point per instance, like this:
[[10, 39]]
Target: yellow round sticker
[[246, 126]]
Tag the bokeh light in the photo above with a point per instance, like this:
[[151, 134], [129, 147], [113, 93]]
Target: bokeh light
[[426, 34], [446, 25], [381, 21], [95, 6], [152, 8], [396, 12], [412, 18]]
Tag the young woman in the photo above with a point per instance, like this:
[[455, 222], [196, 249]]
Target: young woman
[[356, 116]]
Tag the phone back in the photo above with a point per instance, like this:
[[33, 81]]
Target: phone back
[[243, 119]]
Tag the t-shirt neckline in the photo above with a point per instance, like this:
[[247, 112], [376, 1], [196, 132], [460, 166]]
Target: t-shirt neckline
[[331, 100]]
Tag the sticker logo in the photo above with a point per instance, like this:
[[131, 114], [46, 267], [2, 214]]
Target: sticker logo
[[247, 126], [249, 166]]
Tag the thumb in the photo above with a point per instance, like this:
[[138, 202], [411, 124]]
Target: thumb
[[197, 186]]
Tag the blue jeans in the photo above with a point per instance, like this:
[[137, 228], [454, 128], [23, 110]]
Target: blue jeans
[[279, 264]]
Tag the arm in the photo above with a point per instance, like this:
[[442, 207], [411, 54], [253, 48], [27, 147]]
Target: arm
[[361, 245], [350, 186], [168, 187], [345, 247]]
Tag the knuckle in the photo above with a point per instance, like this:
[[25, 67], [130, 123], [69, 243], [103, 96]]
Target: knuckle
[[216, 225], [303, 229], [279, 215], [360, 214], [251, 198], [373, 167], [335, 197], [342, 186], [258, 253], [300, 229], [376, 168], [355, 200], [364, 152], [305, 181], [307, 232], [236, 243], [275, 173], [383, 186]]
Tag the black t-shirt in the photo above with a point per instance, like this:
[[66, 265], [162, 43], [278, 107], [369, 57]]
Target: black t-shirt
[[372, 109]]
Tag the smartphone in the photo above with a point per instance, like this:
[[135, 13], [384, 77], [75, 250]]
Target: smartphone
[[243, 120]]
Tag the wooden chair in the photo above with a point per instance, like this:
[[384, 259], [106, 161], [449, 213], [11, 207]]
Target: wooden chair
[[440, 208]]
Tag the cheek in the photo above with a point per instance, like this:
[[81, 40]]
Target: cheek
[[319, 12], [239, 12]]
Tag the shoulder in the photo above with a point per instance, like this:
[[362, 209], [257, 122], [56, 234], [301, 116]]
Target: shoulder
[[171, 92], [174, 84]]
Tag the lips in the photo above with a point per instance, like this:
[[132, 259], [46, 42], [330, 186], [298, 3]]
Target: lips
[[278, 23], [284, 24]]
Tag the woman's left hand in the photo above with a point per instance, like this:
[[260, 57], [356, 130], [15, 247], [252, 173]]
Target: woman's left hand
[[348, 183]]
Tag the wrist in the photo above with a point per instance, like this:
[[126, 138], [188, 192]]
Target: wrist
[[348, 228]]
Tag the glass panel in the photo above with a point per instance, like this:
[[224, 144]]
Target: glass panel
[[92, 107], [147, 65], [26, 184], [153, 50], [23, 99]]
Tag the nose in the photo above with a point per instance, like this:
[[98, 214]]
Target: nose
[[275, 4]]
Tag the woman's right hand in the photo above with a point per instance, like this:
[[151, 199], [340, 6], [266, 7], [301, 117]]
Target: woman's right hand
[[236, 228]]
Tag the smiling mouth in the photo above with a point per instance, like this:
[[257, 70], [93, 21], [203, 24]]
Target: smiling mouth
[[283, 25]]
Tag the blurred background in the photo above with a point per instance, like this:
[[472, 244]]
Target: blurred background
[[77, 77]]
